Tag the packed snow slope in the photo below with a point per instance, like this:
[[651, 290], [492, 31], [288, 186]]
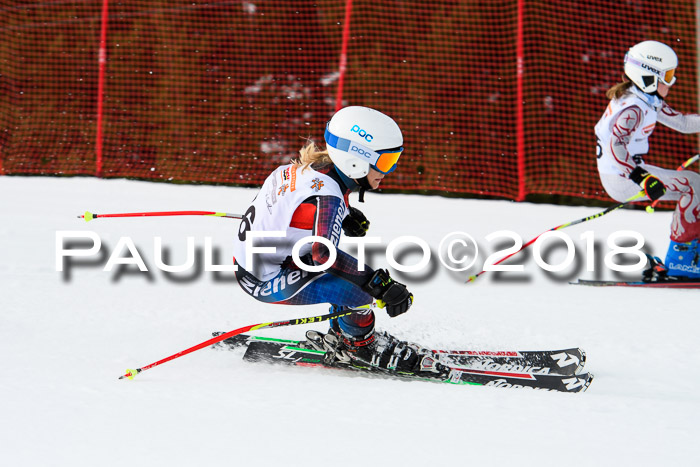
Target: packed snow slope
[[66, 336]]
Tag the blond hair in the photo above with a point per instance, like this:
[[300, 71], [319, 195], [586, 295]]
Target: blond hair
[[619, 90], [312, 156]]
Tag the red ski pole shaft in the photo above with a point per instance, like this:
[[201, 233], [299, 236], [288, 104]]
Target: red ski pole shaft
[[88, 216], [130, 373], [641, 194]]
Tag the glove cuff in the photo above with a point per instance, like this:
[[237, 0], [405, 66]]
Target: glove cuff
[[638, 175], [378, 283]]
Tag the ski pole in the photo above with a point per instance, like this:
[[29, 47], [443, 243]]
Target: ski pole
[[683, 166], [88, 216], [130, 373], [687, 163], [639, 195]]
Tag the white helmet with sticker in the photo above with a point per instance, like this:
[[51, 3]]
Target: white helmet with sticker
[[649, 62], [358, 138]]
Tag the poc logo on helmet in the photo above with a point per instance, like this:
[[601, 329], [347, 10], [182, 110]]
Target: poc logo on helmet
[[361, 132], [361, 151]]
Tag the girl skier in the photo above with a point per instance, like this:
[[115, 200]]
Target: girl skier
[[636, 104], [310, 197]]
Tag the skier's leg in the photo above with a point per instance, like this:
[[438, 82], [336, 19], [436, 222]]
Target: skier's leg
[[683, 255]]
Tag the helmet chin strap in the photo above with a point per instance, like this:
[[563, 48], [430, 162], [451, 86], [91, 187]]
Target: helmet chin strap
[[353, 183], [364, 186]]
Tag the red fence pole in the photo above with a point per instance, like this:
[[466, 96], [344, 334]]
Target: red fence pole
[[519, 114], [102, 63], [343, 55]]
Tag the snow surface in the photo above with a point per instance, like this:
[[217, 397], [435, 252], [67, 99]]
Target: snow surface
[[65, 337]]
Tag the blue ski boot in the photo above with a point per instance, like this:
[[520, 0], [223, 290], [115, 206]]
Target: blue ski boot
[[683, 259]]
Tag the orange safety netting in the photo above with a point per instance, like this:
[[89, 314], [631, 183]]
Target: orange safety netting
[[224, 91]]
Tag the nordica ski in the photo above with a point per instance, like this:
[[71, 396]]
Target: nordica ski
[[675, 284], [276, 352], [561, 362]]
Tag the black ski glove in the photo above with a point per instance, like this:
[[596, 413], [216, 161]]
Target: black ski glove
[[355, 223], [396, 297], [653, 187]]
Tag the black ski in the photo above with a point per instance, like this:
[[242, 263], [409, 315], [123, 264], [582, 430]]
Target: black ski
[[275, 352], [561, 362], [655, 276], [675, 284]]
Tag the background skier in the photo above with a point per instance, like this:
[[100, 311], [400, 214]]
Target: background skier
[[636, 104]]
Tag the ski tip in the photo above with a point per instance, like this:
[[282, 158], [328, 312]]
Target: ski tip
[[585, 380]]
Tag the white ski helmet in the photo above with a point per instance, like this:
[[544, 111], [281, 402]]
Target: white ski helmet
[[648, 62], [358, 138]]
